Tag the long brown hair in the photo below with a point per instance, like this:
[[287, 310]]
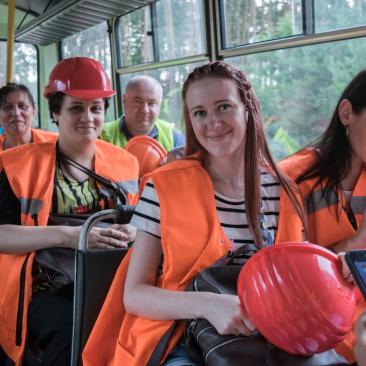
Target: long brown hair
[[257, 153]]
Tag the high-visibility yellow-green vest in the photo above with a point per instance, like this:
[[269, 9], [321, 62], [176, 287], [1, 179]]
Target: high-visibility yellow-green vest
[[112, 133]]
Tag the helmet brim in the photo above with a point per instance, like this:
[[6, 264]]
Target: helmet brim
[[90, 94]]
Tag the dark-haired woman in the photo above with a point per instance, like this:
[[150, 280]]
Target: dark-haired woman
[[331, 175], [17, 112], [191, 213], [39, 180]]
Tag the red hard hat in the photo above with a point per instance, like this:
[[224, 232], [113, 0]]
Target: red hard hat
[[80, 77], [148, 152], [297, 298]]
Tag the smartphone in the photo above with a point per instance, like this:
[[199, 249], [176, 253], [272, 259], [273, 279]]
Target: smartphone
[[356, 261]]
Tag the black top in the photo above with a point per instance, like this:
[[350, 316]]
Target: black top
[[9, 203]]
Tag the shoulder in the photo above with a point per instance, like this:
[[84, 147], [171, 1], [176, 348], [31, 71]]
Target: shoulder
[[110, 126], [29, 150], [298, 163], [111, 151], [44, 136], [164, 124], [178, 166]]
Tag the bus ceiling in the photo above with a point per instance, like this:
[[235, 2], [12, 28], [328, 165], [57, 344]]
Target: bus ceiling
[[50, 21]]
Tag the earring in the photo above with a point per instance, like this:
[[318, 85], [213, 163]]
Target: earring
[[346, 131]]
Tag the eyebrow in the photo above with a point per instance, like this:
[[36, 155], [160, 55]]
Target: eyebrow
[[148, 100], [216, 102]]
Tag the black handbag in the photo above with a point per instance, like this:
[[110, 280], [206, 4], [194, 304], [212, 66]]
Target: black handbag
[[207, 347]]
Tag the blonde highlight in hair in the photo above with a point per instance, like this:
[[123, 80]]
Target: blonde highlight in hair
[[257, 153]]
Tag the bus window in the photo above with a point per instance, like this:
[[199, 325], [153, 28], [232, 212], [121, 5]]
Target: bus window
[[331, 14], [160, 37], [252, 21]]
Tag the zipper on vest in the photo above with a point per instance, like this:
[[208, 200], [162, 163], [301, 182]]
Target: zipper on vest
[[19, 324]]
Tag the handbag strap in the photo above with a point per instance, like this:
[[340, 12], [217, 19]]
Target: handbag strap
[[161, 346], [112, 186]]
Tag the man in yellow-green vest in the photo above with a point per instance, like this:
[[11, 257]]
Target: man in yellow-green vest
[[141, 102]]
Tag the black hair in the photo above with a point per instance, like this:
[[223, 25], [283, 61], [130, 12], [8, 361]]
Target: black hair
[[333, 146]]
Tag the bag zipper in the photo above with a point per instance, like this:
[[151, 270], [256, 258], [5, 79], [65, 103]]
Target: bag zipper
[[221, 345]]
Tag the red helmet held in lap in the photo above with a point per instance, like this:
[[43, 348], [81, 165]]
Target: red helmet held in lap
[[296, 296]]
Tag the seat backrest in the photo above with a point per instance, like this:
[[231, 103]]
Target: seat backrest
[[94, 274]]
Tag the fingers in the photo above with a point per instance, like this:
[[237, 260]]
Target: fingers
[[345, 269], [244, 329], [107, 238]]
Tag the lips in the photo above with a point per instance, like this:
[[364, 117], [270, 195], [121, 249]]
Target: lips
[[218, 136]]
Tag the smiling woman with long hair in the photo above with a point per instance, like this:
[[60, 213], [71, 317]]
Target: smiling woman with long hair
[[191, 213]]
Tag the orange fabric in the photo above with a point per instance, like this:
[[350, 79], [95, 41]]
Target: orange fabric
[[323, 226], [191, 239], [37, 136], [30, 171]]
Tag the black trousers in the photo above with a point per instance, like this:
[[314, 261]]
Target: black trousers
[[50, 325]]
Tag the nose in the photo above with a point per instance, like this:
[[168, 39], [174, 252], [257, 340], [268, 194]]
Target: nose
[[15, 110], [214, 120], [87, 116], [144, 107]]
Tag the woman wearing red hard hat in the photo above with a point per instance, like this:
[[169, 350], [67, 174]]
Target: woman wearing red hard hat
[[41, 180]]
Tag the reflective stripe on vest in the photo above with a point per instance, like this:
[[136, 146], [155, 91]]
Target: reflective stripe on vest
[[30, 206]]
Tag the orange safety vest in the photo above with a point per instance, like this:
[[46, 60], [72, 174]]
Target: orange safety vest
[[30, 171], [324, 228], [37, 136], [192, 239]]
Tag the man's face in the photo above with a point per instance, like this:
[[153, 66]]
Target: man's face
[[142, 107]]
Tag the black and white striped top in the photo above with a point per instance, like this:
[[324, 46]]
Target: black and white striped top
[[231, 212]]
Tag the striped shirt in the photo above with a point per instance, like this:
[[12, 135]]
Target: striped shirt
[[231, 212]]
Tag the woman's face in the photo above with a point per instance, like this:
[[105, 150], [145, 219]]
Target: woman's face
[[357, 134], [17, 114], [80, 121], [218, 116]]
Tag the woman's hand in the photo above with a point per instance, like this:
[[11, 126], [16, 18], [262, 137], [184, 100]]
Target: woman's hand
[[360, 348], [108, 238], [226, 314], [346, 272], [128, 230]]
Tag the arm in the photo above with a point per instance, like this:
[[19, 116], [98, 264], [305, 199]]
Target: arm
[[16, 239], [143, 298]]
